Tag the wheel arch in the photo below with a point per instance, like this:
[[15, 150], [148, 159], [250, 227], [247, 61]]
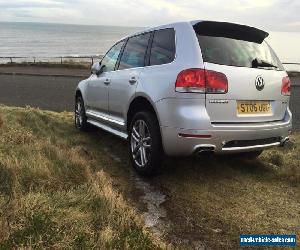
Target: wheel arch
[[140, 103], [81, 89], [78, 93]]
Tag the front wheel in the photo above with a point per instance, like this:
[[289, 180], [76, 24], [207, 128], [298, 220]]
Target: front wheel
[[144, 143], [80, 116]]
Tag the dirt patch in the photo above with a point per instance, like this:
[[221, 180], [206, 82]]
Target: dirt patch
[[154, 200]]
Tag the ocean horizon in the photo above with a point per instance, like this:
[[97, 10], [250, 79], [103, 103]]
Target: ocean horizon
[[46, 40]]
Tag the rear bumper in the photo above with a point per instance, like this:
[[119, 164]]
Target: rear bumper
[[253, 136]]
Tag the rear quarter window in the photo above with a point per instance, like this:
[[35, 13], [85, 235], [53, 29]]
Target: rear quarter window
[[163, 47]]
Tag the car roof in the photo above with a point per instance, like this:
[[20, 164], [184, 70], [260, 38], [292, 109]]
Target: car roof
[[145, 30], [193, 22]]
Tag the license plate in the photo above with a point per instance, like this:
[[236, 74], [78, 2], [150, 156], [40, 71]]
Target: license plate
[[254, 108]]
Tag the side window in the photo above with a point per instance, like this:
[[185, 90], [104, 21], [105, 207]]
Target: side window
[[111, 57], [135, 51], [163, 47]]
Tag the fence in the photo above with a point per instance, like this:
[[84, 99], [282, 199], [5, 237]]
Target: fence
[[59, 59], [290, 66]]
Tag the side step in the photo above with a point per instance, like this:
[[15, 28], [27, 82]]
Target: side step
[[118, 133]]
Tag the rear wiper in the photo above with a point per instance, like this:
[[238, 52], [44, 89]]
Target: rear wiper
[[256, 63]]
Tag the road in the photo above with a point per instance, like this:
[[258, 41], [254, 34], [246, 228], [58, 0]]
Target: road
[[57, 93], [45, 92]]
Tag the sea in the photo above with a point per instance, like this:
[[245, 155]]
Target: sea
[[43, 40], [52, 40]]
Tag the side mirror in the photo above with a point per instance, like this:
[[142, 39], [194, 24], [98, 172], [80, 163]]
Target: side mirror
[[97, 69]]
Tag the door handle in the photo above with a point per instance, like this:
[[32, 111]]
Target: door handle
[[132, 80], [107, 81]]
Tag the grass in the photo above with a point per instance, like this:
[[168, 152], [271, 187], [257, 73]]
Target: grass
[[63, 189], [54, 192], [216, 199]]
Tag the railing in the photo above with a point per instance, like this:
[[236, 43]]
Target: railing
[[290, 66], [61, 59], [291, 63]]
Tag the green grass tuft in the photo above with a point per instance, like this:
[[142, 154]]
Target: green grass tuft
[[53, 193]]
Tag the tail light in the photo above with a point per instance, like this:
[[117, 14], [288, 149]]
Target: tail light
[[201, 81], [286, 86], [216, 82], [191, 80]]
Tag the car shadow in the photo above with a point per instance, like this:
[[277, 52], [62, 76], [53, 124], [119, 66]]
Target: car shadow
[[216, 166]]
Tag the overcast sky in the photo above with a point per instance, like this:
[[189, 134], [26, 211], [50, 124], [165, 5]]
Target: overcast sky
[[273, 15]]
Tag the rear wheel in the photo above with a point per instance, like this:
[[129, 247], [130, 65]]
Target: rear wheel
[[144, 143], [80, 116]]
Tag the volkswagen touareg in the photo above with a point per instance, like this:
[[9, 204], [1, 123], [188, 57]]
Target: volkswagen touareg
[[187, 88]]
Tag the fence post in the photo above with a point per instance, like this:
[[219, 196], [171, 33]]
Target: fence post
[[61, 60], [10, 59]]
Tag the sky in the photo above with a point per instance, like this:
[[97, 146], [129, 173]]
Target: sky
[[272, 15]]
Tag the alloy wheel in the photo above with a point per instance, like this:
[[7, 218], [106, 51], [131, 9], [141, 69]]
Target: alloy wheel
[[78, 113], [140, 143]]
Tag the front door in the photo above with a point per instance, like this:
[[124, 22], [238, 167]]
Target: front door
[[98, 86], [97, 94]]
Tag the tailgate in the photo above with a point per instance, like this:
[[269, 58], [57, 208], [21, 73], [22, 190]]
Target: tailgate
[[253, 71], [254, 95]]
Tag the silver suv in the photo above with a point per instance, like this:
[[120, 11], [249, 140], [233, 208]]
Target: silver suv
[[187, 88]]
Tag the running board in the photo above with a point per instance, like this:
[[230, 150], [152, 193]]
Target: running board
[[98, 116], [118, 133]]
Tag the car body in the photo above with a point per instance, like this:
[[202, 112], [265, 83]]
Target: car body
[[211, 86]]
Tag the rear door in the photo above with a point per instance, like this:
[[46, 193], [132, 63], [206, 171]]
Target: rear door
[[125, 79], [253, 71]]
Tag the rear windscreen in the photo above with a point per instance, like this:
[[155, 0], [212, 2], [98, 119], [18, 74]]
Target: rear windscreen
[[234, 50]]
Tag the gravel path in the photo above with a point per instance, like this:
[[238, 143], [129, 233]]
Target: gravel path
[[57, 93]]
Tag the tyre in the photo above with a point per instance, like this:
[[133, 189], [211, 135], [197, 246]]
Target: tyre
[[80, 116], [144, 143], [250, 155]]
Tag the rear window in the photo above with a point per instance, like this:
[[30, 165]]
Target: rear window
[[240, 49]]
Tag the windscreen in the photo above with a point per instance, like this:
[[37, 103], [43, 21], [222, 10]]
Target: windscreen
[[240, 47]]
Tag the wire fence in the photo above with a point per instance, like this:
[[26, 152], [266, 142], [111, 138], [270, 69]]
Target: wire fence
[[58, 59], [292, 66], [289, 66]]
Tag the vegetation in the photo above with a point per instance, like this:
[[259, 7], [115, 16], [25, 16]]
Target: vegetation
[[63, 189], [216, 199], [53, 190]]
